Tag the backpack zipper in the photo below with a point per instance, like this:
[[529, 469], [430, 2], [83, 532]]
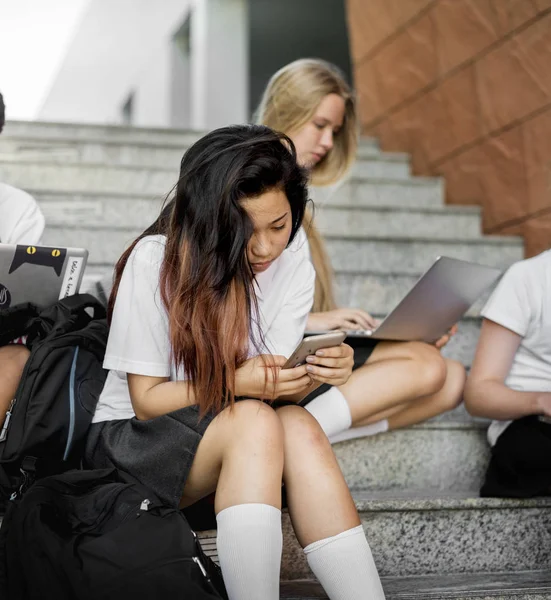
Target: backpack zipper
[[200, 565], [136, 509], [72, 403], [197, 560], [6, 425]]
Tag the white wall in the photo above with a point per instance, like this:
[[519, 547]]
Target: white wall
[[220, 48], [152, 88], [126, 46], [111, 49]]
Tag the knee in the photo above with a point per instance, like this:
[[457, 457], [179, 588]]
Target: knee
[[455, 383], [302, 432], [256, 427], [432, 366]]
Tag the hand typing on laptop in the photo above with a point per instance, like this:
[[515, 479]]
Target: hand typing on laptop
[[348, 319]]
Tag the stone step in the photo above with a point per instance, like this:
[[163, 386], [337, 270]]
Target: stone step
[[28, 151], [67, 210], [443, 534], [72, 132], [119, 179], [432, 222], [416, 192], [413, 254], [439, 456], [438, 534], [55, 133], [523, 585], [462, 346]]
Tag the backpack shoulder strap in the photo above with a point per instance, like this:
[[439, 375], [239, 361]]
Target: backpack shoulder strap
[[69, 314]]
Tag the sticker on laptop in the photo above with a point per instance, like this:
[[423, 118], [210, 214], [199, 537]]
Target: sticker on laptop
[[46, 257], [5, 297], [71, 277]]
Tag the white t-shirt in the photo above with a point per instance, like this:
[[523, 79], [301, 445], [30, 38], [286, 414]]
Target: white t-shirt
[[521, 302], [21, 221], [300, 245], [139, 336]]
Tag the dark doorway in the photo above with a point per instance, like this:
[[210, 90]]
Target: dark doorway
[[284, 30]]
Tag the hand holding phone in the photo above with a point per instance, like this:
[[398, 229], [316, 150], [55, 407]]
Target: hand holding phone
[[263, 377], [328, 359], [311, 344]]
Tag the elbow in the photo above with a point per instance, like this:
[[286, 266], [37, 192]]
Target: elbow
[[141, 416], [141, 412], [473, 399]]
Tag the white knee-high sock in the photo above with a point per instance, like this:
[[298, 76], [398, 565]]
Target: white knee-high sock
[[361, 431], [344, 566], [331, 411], [249, 543]]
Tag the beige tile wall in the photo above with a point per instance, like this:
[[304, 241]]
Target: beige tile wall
[[465, 87]]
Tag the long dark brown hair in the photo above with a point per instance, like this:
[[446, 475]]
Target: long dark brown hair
[[206, 281]]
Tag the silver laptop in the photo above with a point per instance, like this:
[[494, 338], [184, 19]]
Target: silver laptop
[[39, 274], [437, 301]]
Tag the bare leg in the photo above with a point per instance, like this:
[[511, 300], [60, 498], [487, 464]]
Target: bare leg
[[240, 456], [323, 513], [395, 374], [13, 359], [422, 409], [320, 504]]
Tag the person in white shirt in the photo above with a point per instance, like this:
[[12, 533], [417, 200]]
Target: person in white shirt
[[205, 307], [510, 380], [21, 222]]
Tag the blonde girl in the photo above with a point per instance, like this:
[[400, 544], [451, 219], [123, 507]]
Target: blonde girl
[[395, 384]]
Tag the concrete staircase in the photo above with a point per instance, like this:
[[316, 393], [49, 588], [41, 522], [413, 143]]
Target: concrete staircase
[[415, 489]]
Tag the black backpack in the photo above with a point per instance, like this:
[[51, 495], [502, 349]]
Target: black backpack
[[98, 535], [45, 429]]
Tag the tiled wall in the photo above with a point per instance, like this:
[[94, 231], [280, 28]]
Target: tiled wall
[[465, 87]]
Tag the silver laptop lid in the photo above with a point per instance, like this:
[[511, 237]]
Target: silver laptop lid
[[39, 274], [437, 301]]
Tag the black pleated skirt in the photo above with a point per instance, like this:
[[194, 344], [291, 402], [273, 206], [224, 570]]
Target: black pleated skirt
[[158, 452]]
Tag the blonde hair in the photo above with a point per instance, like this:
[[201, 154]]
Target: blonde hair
[[289, 101]]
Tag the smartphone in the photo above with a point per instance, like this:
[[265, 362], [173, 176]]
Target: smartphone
[[310, 344]]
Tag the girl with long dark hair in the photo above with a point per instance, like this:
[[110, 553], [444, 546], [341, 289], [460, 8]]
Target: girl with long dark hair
[[206, 305]]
